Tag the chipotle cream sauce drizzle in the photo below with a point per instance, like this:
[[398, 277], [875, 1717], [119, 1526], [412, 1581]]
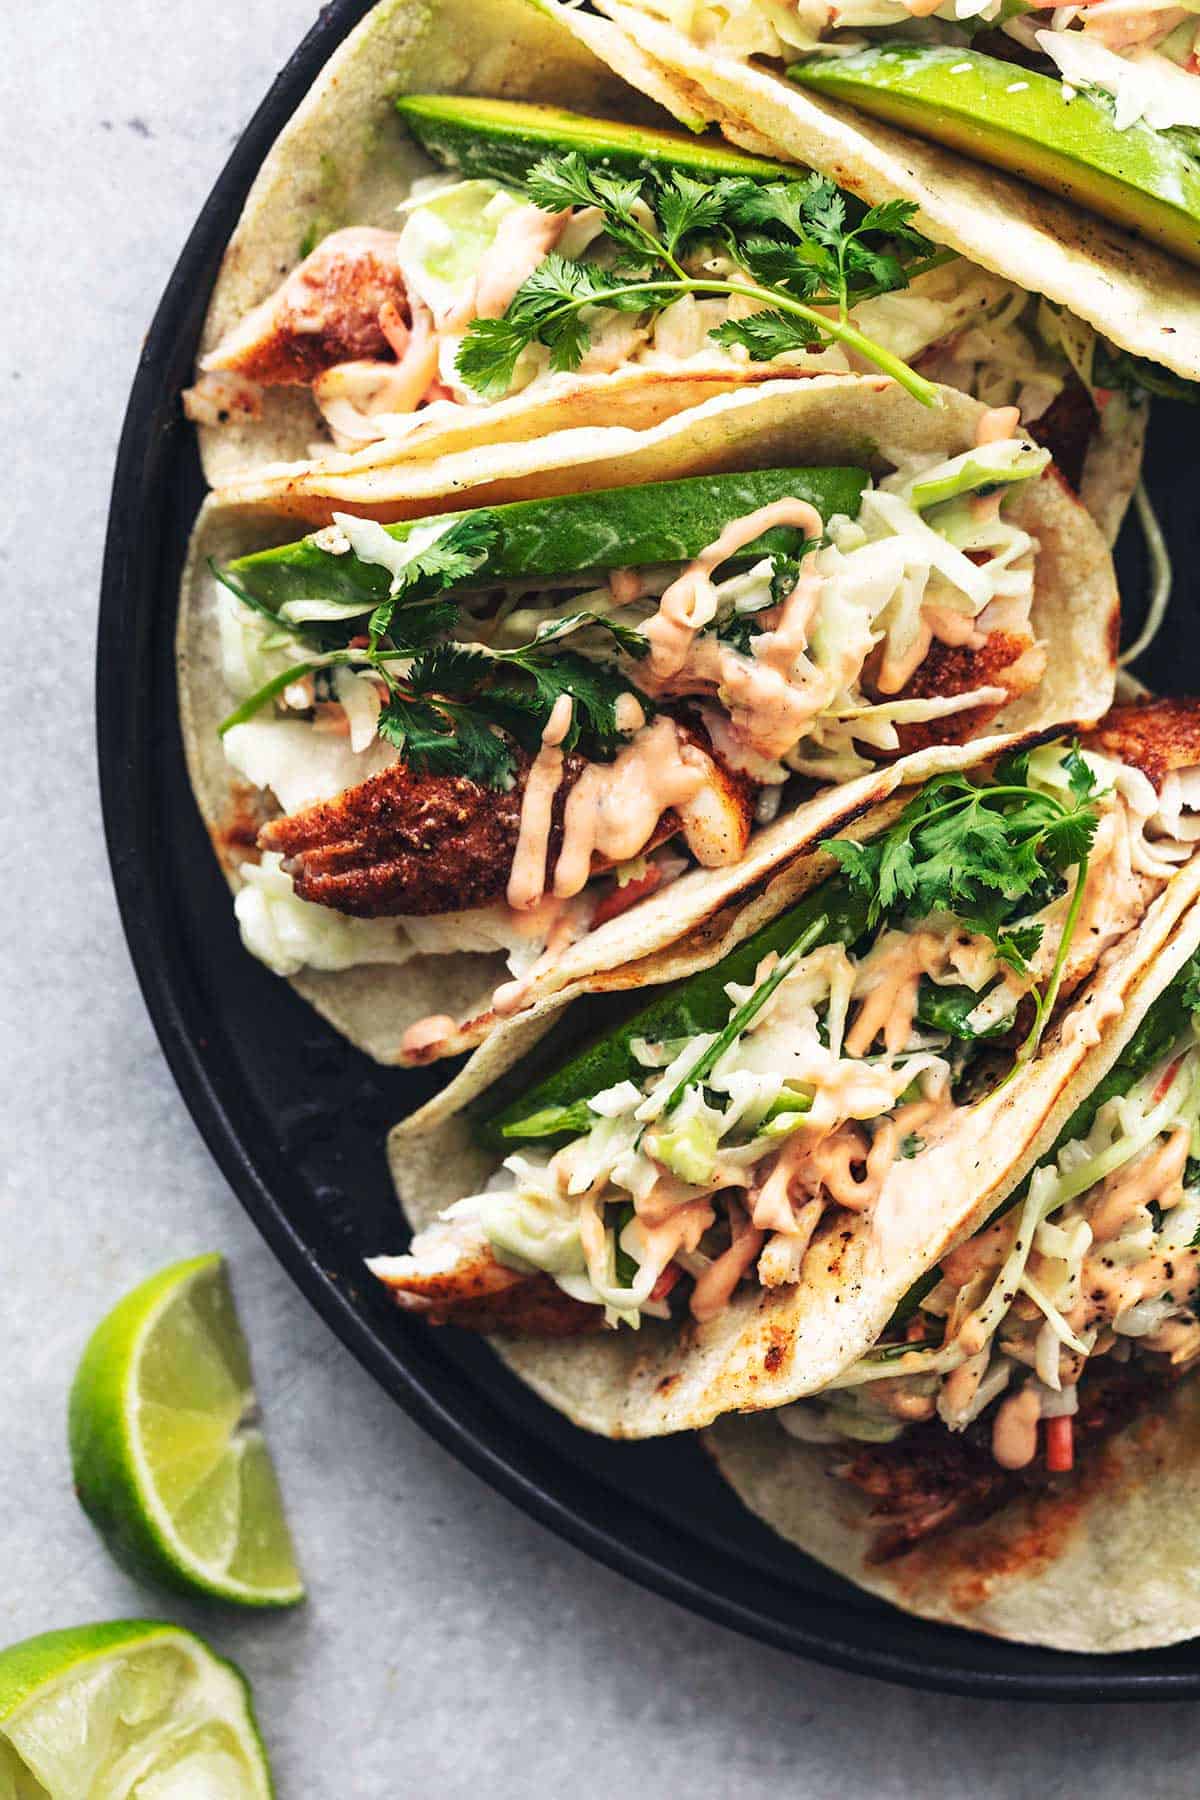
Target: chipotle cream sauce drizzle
[[510, 996], [427, 1034], [524, 237], [775, 692], [613, 808], [690, 603], [1155, 1175], [714, 1286], [891, 1004], [1015, 1427], [527, 877]]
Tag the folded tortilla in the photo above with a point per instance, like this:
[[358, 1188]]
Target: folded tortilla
[[1104, 1563], [826, 420], [1137, 296], [1101, 1560], [768, 1347], [345, 160]]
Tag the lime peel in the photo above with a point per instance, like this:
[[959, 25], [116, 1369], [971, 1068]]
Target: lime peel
[[124, 1706], [168, 1458]]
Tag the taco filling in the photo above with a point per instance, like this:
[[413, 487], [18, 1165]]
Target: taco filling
[[1066, 1315], [625, 249], [560, 246], [755, 1111], [504, 727]]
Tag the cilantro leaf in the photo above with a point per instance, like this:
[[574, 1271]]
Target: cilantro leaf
[[487, 357], [450, 559], [440, 738], [1079, 775], [799, 269], [977, 849], [684, 206], [766, 335], [892, 218], [1066, 841], [453, 692], [781, 203], [558, 182], [824, 211], [989, 853], [1015, 947], [594, 689], [632, 641], [618, 195]]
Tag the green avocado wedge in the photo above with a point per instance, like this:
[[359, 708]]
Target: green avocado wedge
[[1016, 119], [502, 139], [574, 534], [557, 1103]]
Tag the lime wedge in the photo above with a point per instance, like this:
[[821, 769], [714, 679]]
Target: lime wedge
[[126, 1709], [168, 1458]]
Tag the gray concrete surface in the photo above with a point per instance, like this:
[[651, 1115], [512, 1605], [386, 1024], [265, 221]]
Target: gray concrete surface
[[451, 1647]]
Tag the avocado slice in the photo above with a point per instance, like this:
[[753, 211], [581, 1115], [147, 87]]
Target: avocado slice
[[557, 1102], [502, 139], [1016, 119], [575, 534]]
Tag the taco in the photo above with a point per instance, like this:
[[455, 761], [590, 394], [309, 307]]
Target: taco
[[737, 63], [482, 268], [752, 1171], [996, 1456], [567, 730]]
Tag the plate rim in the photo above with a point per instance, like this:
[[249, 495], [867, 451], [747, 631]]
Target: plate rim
[[152, 402]]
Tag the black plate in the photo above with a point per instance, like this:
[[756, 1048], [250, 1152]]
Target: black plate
[[297, 1119]]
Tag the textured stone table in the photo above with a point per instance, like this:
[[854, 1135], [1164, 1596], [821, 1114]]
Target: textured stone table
[[451, 1647]]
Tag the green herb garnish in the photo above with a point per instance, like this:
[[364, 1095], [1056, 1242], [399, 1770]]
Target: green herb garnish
[[744, 1015], [457, 709], [800, 248], [985, 852]]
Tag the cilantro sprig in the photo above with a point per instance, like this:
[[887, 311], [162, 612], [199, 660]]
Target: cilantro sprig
[[807, 262], [455, 708], [989, 852], [460, 709]]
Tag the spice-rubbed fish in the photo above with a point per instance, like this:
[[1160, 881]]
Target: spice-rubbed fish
[[409, 843], [929, 1482], [347, 301]]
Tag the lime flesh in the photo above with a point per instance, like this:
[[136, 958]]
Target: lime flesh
[[168, 1459], [130, 1708], [1017, 119]]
